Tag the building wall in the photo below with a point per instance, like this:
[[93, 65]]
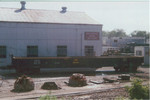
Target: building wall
[[145, 52], [147, 55], [139, 49], [17, 36]]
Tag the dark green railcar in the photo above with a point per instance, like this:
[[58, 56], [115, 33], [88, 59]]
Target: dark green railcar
[[120, 63]]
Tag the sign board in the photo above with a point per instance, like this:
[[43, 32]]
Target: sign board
[[75, 61], [91, 36]]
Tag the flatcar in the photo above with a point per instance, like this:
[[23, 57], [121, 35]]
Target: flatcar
[[76, 64]]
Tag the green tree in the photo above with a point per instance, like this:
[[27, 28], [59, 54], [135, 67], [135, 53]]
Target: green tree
[[115, 33], [105, 33], [118, 33], [140, 34]]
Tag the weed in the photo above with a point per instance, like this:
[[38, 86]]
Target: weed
[[138, 91]]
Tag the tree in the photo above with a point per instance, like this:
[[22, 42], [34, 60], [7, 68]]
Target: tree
[[105, 33], [115, 33], [140, 34], [118, 33]]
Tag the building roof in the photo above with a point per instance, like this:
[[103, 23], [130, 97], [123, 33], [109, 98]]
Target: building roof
[[44, 16]]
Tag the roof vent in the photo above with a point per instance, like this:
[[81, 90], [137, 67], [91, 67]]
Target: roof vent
[[64, 9], [22, 5]]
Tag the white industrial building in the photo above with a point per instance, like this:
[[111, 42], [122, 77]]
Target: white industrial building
[[125, 44], [143, 51], [27, 32], [122, 41]]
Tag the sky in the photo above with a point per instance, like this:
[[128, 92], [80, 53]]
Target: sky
[[129, 16]]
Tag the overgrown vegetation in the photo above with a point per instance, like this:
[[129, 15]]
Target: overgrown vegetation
[[121, 98], [138, 91], [48, 97]]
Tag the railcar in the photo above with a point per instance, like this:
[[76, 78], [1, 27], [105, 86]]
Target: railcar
[[75, 64]]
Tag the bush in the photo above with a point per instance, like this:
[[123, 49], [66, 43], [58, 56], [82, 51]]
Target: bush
[[138, 91]]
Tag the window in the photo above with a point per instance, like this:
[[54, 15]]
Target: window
[[139, 53], [115, 40], [89, 51], [37, 62], [2, 51], [32, 51], [61, 51]]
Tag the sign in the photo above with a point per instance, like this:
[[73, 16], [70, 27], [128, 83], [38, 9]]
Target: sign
[[91, 36], [75, 61]]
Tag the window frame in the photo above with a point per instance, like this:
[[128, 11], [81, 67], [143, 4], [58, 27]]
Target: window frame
[[89, 50], [32, 51], [61, 50], [115, 41], [3, 51], [138, 53]]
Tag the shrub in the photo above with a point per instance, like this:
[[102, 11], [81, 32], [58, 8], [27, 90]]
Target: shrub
[[138, 91]]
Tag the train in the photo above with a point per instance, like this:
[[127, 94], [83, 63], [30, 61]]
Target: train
[[76, 64]]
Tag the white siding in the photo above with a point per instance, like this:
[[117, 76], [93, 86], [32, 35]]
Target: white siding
[[145, 52], [17, 36], [139, 48]]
